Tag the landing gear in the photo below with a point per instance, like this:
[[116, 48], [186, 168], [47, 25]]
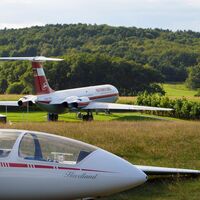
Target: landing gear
[[79, 115], [52, 117], [88, 117], [107, 112]]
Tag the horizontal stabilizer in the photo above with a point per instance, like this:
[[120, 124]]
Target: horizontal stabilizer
[[32, 59], [150, 170]]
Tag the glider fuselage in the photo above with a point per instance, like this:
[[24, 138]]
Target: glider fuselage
[[39, 165]]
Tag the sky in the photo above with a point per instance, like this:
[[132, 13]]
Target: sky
[[165, 14]]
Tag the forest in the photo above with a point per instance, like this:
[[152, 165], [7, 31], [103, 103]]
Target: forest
[[132, 59]]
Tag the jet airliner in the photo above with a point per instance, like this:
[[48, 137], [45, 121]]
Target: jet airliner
[[85, 99]]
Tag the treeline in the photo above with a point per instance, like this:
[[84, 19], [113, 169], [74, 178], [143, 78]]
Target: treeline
[[82, 69], [182, 108], [172, 54]]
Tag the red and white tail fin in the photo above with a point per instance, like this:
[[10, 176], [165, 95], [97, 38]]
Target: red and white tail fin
[[41, 83]]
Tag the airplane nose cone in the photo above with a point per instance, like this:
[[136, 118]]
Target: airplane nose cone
[[128, 175], [133, 176], [115, 174]]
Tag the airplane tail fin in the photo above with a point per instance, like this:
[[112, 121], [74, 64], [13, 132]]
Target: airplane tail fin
[[41, 83], [40, 80]]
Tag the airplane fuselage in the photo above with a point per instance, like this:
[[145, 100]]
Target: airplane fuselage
[[100, 93]]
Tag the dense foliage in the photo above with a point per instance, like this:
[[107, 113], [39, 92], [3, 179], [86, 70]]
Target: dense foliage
[[83, 69], [193, 80], [156, 54], [183, 108]]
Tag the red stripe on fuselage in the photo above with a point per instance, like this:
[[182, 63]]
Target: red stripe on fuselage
[[43, 167], [82, 104], [44, 102], [93, 170], [18, 165], [103, 96], [69, 168], [32, 166]]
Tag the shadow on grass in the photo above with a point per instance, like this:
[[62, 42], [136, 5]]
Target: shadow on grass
[[155, 188], [136, 118]]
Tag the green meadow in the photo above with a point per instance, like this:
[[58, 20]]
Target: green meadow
[[13, 117], [179, 90]]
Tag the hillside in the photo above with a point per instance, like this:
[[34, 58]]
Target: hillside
[[166, 55]]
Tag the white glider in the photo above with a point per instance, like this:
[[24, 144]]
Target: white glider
[[41, 165]]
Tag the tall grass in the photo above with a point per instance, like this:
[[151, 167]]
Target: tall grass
[[174, 143]]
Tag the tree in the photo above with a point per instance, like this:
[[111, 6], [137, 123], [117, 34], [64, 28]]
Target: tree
[[15, 88], [3, 85], [93, 53], [193, 80]]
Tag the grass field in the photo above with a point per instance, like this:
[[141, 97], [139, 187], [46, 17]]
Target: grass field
[[71, 117], [179, 90], [139, 138], [160, 143]]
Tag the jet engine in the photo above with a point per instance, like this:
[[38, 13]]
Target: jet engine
[[25, 101], [76, 102]]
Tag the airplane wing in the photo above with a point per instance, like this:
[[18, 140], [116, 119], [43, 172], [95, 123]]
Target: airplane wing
[[23, 101], [9, 103], [150, 170], [36, 59], [121, 107]]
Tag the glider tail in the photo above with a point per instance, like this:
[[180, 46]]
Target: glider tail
[[40, 80]]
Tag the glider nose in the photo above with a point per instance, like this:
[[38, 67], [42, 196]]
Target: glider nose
[[134, 176], [124, 175], [113, 173]]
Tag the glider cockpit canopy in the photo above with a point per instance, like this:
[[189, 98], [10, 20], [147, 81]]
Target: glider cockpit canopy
[[42, 147]]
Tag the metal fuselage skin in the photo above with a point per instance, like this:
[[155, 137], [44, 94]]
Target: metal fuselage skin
[[100, 93], [99, 174]]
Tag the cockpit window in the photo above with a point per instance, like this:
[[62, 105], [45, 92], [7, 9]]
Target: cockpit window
[[7, 140], [53, 149]]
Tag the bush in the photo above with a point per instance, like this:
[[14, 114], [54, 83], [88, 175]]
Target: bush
[[156, 88], [198, 93], [183, 108]]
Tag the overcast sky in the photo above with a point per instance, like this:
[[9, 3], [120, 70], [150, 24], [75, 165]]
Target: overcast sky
[[166, 14]]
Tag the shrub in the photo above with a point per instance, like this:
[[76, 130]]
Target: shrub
[[183, 108]]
